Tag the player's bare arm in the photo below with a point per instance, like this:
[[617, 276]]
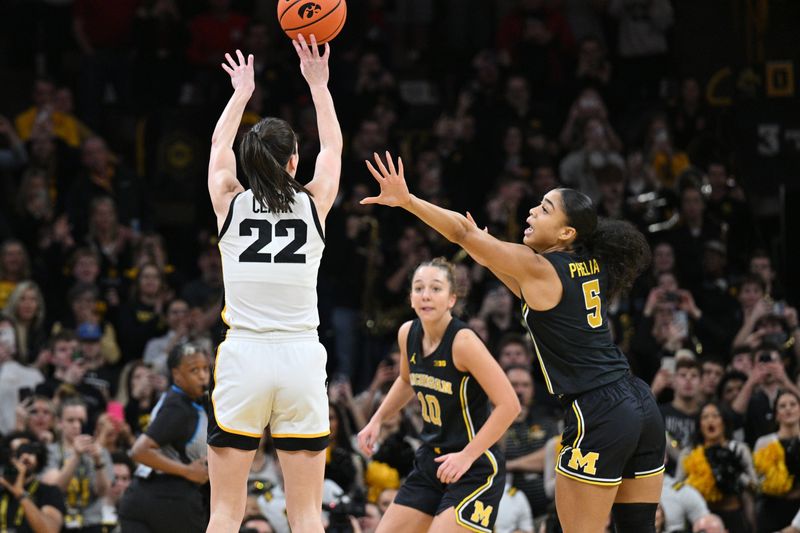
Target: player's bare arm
[[314, 67], [222, 182]]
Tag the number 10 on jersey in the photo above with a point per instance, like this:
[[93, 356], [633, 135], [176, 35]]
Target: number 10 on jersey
[[431, 411]]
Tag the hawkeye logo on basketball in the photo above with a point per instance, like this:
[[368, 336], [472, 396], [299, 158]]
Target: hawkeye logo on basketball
[[481, 514], [587, 462], [308, 10], [584, 268]]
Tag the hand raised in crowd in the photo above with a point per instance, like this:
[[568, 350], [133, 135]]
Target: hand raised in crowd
[[759, 372], [7, 130], [18, 488], [790, 315], [394, 191], [761, 308], [686, 303], [197, 471], [661, 381], [340, 392], [385, 373], [654, 297], [313, 66], [241, 72], [75, 372], [44, 358], [96, 451], [778, 372], [83, 444]]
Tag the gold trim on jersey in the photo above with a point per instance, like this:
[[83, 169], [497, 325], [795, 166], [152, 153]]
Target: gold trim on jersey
[[214, 407], [475, 495], [649, 473], [486, 486], [296, 436], [465, 408], [222, 267], [549, 385], [581, 424]]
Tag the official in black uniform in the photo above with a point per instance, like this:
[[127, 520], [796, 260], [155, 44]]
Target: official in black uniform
[[165, 496], [459, 474], [568, 269]]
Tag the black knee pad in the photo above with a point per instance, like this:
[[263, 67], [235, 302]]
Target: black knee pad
[[634, 517]]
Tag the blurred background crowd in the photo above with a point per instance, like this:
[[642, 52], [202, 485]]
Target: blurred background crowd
[[108, 256]]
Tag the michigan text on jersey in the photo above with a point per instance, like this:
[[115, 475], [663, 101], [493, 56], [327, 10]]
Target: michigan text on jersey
[[430, 382]]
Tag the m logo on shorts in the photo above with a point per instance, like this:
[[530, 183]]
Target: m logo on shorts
[[578, 461], [481, 514]]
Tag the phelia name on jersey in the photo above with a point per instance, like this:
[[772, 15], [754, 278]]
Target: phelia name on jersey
[[584, 268], [430, 382]]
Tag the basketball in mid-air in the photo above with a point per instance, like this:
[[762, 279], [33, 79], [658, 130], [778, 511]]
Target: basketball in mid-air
[[324, 18]]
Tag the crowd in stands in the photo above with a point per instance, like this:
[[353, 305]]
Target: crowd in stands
[[491, 105]]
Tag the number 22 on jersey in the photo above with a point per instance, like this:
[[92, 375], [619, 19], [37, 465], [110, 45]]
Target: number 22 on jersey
[[591, 296], [253, 253]]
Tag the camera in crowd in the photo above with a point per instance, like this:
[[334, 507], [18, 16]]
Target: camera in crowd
[[672, 297], [9, 470], [10, 473], [340, 511]]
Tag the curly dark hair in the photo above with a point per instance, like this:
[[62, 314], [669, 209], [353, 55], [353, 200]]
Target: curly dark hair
[[619, 246]]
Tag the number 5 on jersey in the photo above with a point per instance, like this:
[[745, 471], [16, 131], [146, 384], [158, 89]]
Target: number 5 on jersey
[[591, 296]]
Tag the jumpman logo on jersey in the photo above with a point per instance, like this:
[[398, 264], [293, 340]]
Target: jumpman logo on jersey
[[414, 358]]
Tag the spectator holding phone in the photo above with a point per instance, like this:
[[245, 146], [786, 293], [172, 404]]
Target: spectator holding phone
[[669, 320], [80, 467], [69, 374], [14, 377], [753, 305], [26, 504], [759, 393], [779, 328], [37, 415], [387, 371]]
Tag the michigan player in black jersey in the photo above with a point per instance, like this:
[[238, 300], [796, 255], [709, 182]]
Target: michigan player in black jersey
[[567, 271], [458, 476], [270, 369]]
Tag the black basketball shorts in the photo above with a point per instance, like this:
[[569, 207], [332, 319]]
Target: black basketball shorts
[[612, 432], [475, 497]]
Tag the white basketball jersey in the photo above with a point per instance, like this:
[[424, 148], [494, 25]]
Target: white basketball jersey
[[269, 265]]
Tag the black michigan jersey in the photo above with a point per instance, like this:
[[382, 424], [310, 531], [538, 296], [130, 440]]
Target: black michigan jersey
[[572, 340], [454, 406]]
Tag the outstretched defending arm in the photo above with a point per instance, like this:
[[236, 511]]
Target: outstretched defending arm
[[222, 182], [325, 184], [515, 261]]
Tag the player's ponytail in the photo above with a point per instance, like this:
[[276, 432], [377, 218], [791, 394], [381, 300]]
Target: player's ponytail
[[263, 153], [619, 247]]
